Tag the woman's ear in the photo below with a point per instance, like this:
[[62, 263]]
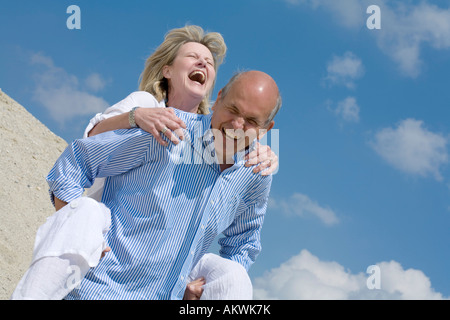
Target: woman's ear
[[166, 71]]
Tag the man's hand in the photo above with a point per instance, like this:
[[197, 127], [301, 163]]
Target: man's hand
[[107, 249], [194, 289], [59, 204]]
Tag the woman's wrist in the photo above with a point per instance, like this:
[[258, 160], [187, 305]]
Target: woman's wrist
[[132, 118]]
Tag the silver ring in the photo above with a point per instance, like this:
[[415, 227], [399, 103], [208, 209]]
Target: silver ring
[[164, 130]]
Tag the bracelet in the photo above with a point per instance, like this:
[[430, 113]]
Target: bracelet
[[131, 118]]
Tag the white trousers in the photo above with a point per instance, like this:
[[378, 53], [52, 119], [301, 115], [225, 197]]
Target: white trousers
[[72, 240]]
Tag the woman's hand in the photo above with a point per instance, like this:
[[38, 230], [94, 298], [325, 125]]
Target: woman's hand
[[160, 120], [265, 157]]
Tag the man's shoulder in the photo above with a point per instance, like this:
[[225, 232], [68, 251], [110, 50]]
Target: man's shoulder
[[255, 187], [191, 115], [118, 135], [197, 124], [258, 178]]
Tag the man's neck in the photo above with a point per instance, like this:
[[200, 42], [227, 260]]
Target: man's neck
[[225, 166]]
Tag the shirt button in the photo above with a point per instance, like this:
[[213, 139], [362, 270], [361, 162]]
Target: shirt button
[[182, 278], [212, 202], [192, 252], [74, 204], [202, 226]]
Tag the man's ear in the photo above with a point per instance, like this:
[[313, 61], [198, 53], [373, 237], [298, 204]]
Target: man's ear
[[262, 133], [218, 98]]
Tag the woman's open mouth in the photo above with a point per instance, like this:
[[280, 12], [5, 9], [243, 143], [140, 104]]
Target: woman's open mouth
[[198, 76]]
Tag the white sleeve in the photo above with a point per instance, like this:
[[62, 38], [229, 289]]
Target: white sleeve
[[141, 99]]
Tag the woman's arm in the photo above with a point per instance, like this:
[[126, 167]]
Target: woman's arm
[[152, 120], [151, 116], [117, 122]]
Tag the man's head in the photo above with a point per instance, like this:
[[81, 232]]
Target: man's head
[[244, 110]]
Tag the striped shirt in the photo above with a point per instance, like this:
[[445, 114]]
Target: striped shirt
[[167, 206]]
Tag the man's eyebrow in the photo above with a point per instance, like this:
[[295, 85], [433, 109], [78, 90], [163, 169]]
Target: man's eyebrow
[[236, 109], [233, 106], [253, 119]]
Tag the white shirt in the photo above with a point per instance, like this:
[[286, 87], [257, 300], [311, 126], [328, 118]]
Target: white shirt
[[141, 99]]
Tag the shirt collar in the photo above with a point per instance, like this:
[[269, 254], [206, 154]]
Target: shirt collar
[[238, 157]]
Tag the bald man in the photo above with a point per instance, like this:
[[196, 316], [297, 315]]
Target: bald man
[[165, 214]]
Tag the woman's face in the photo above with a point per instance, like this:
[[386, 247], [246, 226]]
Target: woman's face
[[192, 72]]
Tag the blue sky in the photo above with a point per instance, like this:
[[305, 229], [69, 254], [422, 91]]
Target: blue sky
[[364, 131]]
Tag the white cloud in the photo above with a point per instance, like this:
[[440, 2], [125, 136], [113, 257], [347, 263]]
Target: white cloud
[[306, 277], [344, 70], [405, 28], [95, 82], [412, 148], [60, 93], [301, 205], [348, 110]]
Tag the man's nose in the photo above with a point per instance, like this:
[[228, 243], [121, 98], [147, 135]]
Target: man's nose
[[238, 123]]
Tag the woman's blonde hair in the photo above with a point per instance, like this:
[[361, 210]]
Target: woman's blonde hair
[[152, 79]]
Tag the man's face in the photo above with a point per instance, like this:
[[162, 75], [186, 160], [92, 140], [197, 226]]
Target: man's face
[[239, 118]]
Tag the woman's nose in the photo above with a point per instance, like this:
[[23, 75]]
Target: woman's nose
[[201, 61]]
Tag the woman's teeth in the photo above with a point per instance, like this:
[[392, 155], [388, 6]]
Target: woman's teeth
[[197, 76]]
